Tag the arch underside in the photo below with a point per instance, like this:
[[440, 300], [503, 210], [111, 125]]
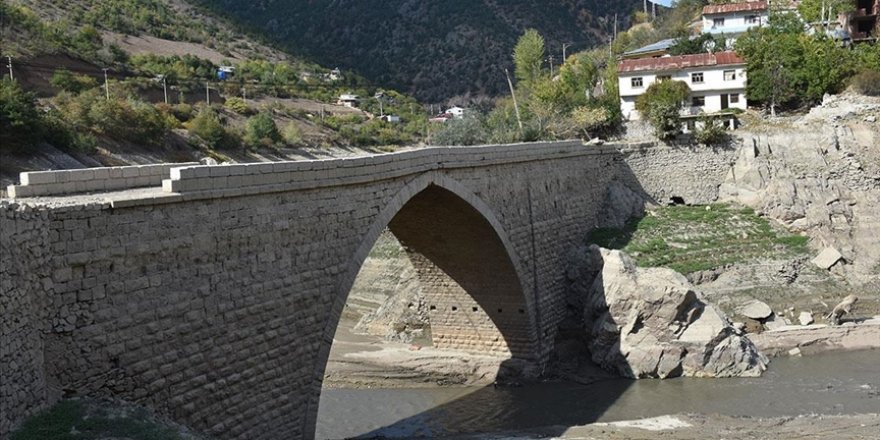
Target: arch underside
[[474, 296]]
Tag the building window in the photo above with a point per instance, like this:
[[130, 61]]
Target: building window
[[717, 22], [734, 98], [698, 101], [697, 77], [730, 75], [752, 19], [637, 83]]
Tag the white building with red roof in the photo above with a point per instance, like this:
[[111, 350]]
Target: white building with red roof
[[733, 19], [717, 81]]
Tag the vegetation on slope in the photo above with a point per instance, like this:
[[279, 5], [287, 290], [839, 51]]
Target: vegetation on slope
[[72, 112], [433, 50], [83, 419], [694, 238]]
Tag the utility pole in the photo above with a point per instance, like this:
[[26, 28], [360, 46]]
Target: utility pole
[[551, 65], [9, 65], [615, 26], [653, 11], [106, 84], [565, 46], [208, 92], [645, 7], [165, 89], [515, 105]]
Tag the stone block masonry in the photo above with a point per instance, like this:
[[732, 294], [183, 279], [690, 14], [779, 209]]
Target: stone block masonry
[[51, 183], [214, 299]]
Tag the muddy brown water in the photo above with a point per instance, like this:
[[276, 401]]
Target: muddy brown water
[[829, 383]]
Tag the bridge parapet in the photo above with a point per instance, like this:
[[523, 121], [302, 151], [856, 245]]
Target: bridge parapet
[[201, 181], [63, 182]]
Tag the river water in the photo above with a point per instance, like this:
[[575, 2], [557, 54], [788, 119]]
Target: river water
[[830, 383]]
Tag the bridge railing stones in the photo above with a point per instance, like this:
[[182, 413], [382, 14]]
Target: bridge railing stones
[[195, 182], [62, 182]]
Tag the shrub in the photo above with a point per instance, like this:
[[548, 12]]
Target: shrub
[[65, 80], [261, 130], [465, 131], [867, 82], [661, 105], [710, 133], [238, 105], [20, 120], [183, 112], [206, 125], [292, 134]]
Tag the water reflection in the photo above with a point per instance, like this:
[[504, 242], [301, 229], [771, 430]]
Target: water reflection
[[833, 383]]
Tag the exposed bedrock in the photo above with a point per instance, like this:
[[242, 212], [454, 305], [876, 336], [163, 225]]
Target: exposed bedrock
[[651, 323]]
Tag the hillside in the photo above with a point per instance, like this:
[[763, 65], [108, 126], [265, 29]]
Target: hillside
[[161, 59], [433, 50]]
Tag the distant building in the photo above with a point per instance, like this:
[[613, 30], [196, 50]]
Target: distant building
[[335, 74], [733, 19], [394, 119], [863, 24], [456, 112], [717, 81], [225, 72], [658, 49], [441, 118], [348, 100]]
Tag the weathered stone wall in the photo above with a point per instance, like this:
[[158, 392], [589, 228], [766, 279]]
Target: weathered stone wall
[[216, 304], [25, 280], [693, 173]]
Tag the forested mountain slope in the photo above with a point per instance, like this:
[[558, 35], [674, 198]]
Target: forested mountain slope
[[435, 50]]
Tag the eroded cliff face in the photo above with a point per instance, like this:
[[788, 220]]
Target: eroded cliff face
[[819, 175]]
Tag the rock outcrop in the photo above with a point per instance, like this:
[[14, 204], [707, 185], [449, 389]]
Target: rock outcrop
[[645, 323]]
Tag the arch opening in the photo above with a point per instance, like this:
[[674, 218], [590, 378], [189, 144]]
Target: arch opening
[[470, 289]]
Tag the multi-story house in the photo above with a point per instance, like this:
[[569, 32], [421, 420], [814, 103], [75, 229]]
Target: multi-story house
[[717, 81], [733, 19]]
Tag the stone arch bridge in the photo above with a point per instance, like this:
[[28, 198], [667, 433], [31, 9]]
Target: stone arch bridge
[[214, 298]]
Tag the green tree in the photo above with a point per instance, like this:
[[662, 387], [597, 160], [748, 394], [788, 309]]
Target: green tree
[[464, 131], [702, 44], [20, 120], [67, 81], [261, 130], [661, 105], [824, 10], [207, 126], [528, 55]]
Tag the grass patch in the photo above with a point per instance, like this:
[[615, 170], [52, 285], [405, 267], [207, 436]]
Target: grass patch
[[88, 420], [694, 238]]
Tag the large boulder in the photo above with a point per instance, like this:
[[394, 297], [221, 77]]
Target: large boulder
[[652, 323]]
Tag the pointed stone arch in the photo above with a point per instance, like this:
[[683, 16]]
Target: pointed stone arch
[[433, 198]]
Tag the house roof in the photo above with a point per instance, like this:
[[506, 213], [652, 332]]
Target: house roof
[[735, 7], [655, 47], [680, 62]]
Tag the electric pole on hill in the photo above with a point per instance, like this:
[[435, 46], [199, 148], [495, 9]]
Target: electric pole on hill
[[165, 89], [564, 46], [207, 92], [9, 65], [106, 83]]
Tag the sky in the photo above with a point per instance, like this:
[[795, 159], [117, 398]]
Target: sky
[[663, 2]]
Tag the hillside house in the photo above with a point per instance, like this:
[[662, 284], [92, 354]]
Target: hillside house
[[717, 81], [862, 24], [456, 112], [348, 100], [733, 19]]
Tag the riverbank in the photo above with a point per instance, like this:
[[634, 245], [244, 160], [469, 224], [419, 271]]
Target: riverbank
[[699, 427]]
